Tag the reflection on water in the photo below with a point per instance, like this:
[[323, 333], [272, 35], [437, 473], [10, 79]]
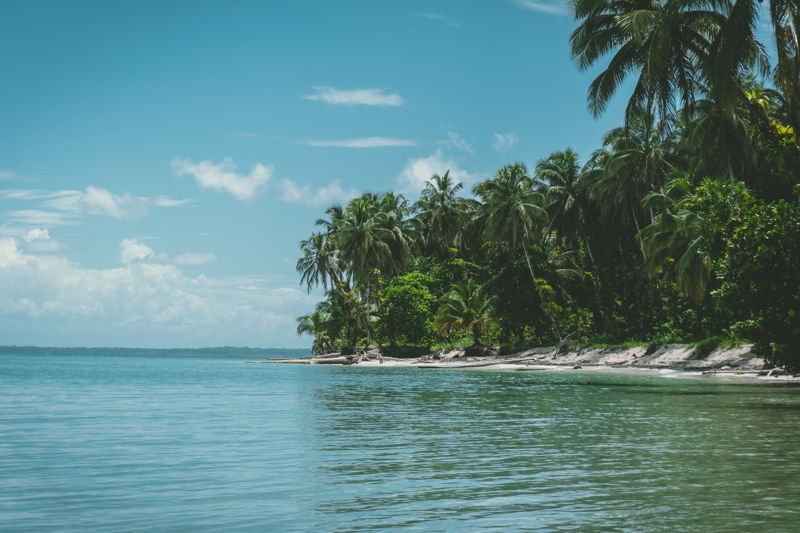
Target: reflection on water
[[92, 444]]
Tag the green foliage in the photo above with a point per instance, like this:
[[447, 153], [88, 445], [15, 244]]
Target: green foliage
[[405, 311], [760, 282], [666, 234], [465, 307]]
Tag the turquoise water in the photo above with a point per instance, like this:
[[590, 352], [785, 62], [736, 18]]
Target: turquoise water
[[198, 444]]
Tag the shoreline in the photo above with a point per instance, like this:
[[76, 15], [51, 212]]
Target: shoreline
[[736, 364]]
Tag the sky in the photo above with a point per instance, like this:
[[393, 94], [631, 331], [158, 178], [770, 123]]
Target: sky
[[161, 161]]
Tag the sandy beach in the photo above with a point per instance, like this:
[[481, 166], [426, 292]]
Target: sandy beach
[[738, 364]]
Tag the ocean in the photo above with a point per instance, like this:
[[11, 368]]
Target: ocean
[[92, 443]]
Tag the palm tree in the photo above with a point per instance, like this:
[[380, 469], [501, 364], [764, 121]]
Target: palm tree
[[364, 239], [465, 306], [512, 210], [662, 42], [315, 324], [565, 191], [690, 228], [319, 262], [736, 49], [442, 214], [634, 161]]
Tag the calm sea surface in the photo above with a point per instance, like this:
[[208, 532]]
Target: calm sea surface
[[199, 444]]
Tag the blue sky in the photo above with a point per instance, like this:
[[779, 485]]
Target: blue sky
[[160, 161]]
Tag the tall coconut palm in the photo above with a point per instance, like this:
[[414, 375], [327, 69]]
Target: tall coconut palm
[[512, 210], [634, 161], [365, 240], [442, 214], [565, 192], [465, 306], [661, 43], [319, 262]]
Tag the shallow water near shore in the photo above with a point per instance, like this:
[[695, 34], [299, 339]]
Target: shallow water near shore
[[94, 443]]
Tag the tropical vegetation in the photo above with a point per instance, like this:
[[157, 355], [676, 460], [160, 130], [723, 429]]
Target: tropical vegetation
[[683, 225]]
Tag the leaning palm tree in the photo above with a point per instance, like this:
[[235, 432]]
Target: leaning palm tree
[[319, 262], [465, 307], [315, 324], [689, 230]]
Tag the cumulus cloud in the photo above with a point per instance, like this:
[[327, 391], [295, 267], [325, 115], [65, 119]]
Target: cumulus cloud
[[363, 142], [504, 142], [554, 7], [315, 196], [353, 97], [38, 241], [223, 176], [139, 302], [37, 234], [418, 171], [131, 250]]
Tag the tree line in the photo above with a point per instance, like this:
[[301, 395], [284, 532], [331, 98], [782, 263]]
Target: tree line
[[684, 224]]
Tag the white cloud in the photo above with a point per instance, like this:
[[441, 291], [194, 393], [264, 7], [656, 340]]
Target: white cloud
[[223, 177], [37, 234], [418, 172], [38, 241], [5, 175], [306, 195], [165, 201], [371, 97], [48, 298], [554, 7], [37, 217], [194, 258], [30, 194], [99, 201], [363, 142], [131, 250], [504, 142], [438, 16], [458, 142], [58, 208]]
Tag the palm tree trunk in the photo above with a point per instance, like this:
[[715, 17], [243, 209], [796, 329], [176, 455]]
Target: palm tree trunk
[[536, 288], [638, 230]]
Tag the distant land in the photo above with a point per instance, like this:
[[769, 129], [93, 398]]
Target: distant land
[[219, 351]]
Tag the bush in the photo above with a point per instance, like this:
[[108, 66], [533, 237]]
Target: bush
[[405, 312], [760, 282]]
